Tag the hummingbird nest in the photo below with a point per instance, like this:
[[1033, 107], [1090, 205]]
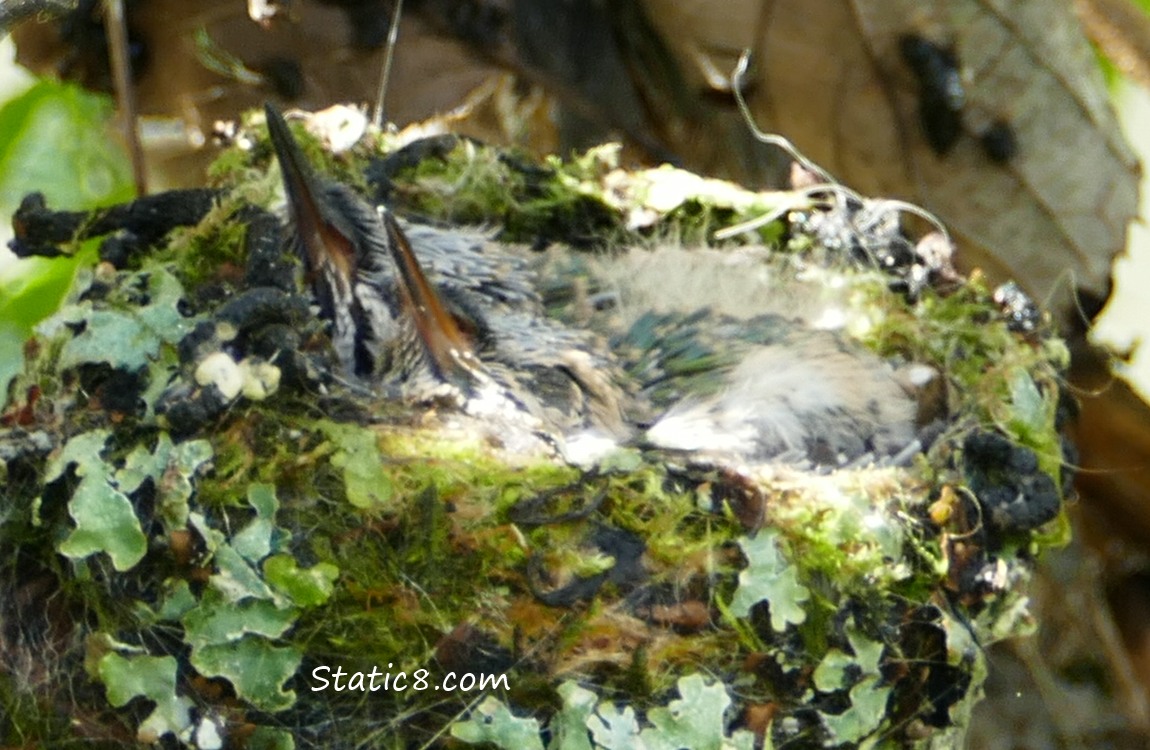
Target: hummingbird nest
[[251, 535]]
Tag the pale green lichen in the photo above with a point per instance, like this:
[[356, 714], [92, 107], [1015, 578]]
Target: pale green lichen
[[152, 678], [696, 719], [769, 578]]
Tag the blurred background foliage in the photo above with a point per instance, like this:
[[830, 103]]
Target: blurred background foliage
[[55, 138]]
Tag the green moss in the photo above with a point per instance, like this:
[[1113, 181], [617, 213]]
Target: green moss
[[213, 251]]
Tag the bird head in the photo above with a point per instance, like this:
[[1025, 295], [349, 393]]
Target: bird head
[[435, 314]]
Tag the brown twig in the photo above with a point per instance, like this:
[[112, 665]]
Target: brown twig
[[116, 25]]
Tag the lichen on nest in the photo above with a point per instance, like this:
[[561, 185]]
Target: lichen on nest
[[217, 516]]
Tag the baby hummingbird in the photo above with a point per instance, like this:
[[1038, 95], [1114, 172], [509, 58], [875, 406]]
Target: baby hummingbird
[[432, 315], [734, 357]]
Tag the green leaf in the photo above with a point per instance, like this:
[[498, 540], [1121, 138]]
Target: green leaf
[[868, 698], [306, 588], [231, 641], [151, 677], [55, 138], [172, 469], [176, 484], [695, 720], [127, 677], [270, 738], [118, 338], [12, 338], [162, 313], [866, 713], [254, 541], [236, 579], [569, 727], [262, 497], [178, 601], [104, 516], [31, 289], [213, 538], [831, 673], [771, 578], [1028, 417], [105, 522], [127, 339], [216, 621], [867, 652], [142, 464], [491, 721], [615, 728], [256, 669], [357, 454]]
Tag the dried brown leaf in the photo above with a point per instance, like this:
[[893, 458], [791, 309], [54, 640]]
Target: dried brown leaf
[[831, 77], [1122, 31]]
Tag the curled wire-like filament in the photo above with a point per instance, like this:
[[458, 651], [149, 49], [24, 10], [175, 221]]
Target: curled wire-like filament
[[877, 208]]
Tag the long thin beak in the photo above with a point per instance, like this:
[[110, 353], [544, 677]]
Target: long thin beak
[[322, 243], [445, 343], [327, 249]]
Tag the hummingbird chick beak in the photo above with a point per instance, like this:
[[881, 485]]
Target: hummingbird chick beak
[[344, 242], [323, 244], [414, 318], [326, 247], [445, 343], [472, 328]]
